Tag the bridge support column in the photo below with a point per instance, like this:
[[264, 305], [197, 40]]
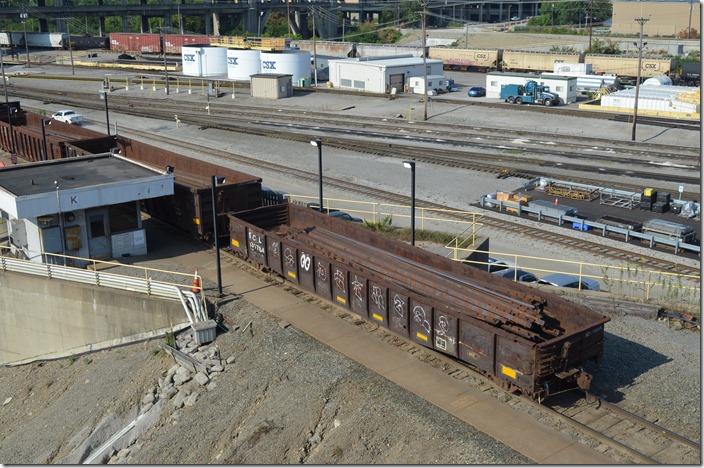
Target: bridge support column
[[216, 24], [208, 23]]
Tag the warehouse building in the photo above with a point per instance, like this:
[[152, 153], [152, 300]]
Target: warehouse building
[[665, 17], [564, 86], [380, 75]]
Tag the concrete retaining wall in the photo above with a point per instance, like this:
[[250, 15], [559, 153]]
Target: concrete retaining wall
[[43, 319]]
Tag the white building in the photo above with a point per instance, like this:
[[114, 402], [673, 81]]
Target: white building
[[84, 207], [564, 86], [380, 75]]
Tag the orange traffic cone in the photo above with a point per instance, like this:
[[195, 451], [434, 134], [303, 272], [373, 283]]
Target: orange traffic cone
[[196, 283], [556, 202]]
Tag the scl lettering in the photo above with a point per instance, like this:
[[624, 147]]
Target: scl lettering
[[189, 57], [269, 65], [232, 60]]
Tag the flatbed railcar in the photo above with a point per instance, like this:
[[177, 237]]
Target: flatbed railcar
[[525, 339]]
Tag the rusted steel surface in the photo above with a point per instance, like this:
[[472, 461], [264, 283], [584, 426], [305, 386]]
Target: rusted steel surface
[[525, 339]]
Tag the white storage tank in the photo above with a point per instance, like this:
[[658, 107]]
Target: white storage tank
[[204, 61], [662, 80], [296, 63], [241, 63]]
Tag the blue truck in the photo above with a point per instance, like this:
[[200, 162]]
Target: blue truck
[[531, 93]]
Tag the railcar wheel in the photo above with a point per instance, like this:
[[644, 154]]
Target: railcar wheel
[[519, 101]]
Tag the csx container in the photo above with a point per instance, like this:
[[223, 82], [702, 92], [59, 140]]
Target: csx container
[[241, 63], [204, 61], [135, 43], [296, 63], [536, 61], [457, 58], [523, 338], [628, 66]]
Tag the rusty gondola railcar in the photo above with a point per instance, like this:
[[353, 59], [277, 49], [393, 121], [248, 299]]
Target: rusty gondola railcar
[[524, 339]]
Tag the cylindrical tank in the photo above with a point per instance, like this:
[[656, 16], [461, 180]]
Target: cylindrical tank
[[662, 80], [241, 64], [296, 63], [204, 61]]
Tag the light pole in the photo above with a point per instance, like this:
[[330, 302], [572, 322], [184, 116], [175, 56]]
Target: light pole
[[44, 123], [7, 101], [319, 144], [412, 166], [104, 95], [640, 21], [23, 16], [425, 70], [259, 23], [70, 48], [217, 180], [166, 69]]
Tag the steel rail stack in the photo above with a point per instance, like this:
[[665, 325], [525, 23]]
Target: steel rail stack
[[523, 338]]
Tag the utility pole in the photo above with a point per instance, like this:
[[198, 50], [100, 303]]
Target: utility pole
[[689, 27], [591, 20], [640, 21], [425, 69]]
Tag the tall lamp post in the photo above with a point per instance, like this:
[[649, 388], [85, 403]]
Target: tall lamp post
[[7, 101], [23, 16], [412, 166], [166, 69], [425, 68], [217, 180], [44, 124], [640, 21], [104, 95], [319, 144]]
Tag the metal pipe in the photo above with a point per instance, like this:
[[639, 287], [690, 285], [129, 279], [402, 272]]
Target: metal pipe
[[214, 183], [45, 156]]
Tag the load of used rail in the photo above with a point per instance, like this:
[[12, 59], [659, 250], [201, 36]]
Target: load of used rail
[[440, 281]]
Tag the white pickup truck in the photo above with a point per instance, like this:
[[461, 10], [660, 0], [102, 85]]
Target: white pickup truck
[[68, 116]]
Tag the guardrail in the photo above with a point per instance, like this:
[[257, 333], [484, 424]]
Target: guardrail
[[584, 225], [142, 281]]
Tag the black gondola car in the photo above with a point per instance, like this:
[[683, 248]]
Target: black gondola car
[[523, 338]]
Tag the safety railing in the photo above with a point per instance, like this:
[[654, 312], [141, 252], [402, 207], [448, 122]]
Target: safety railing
[[138, 279], [630, 280]]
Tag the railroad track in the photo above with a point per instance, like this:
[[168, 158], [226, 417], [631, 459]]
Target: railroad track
[[364, 192], [630, 438], [641, 440], [479, 137], [480, 149]]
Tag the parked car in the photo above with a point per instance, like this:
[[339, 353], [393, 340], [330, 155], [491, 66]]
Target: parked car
[[496, 264], [68, 116], [570, 281], [345, 216], [476, 91], [516, 275]]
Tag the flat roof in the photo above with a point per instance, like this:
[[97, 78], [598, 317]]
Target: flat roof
[[71, 173], [386, 63]]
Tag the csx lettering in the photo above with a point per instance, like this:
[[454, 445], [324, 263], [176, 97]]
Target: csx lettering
[[232, 60], [189, 57], [650, 65], [481, 56], [269, 65]]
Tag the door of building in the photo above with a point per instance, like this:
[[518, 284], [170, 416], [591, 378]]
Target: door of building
[[98, 233], [396, 81]]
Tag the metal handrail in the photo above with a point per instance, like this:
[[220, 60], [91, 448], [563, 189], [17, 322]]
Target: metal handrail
[[144, 283]]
